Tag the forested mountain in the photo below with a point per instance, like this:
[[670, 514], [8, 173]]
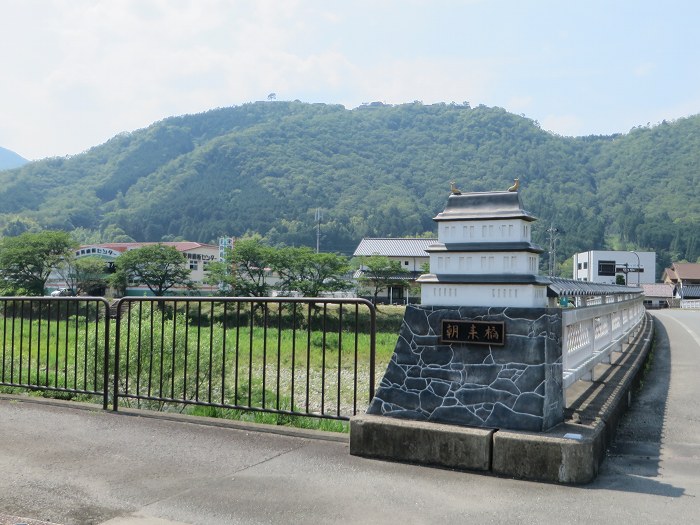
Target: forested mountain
[[377, 170], [10, 159]]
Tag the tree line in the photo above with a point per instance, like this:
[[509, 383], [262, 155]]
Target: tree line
[[27, 261]]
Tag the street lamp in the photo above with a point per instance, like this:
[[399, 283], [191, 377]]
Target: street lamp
[[639, 266]]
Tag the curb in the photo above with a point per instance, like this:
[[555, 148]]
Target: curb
[[184, 418]]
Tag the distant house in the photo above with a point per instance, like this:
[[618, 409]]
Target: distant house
[[410, 252], [685, 279], [682, 274], [196, 256], [658, 295]]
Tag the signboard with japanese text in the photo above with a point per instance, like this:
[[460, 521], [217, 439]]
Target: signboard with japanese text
[[473, 332]]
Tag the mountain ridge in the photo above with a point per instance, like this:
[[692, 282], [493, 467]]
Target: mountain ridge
[[376, 170], [10, 160]]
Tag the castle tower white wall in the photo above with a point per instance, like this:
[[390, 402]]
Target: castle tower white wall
[[484, 255]]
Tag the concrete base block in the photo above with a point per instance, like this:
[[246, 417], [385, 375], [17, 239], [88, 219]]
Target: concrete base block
[[421, 442], [569, 453]]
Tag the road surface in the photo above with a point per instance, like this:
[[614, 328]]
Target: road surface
[[86, 466]]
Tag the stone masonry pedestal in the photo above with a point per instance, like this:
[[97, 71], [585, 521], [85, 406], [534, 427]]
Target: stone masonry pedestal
[[516, 386]]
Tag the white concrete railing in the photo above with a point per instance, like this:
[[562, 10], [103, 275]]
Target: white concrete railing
[[690, 303], [590, 334]]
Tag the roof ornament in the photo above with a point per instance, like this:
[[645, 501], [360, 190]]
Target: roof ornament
[[453, 188], [515, 186]]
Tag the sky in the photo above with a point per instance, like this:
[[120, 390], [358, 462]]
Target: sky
[[75, 73]]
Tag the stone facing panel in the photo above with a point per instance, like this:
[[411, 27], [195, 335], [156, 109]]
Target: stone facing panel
[[517, 386]]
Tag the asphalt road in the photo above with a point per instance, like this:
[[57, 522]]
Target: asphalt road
[[71, 465]]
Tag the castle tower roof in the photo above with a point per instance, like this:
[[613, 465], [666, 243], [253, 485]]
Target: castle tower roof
[[484, 205]]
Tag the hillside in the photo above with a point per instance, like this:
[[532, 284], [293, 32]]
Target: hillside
[[10, 159], [376, 170]]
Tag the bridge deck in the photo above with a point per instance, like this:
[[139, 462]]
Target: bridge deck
[[73, 464]]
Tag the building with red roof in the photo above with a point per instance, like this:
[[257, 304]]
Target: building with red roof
[[195, 254]]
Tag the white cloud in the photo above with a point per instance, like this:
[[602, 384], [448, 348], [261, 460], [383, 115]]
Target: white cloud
[[114, 66], [84, 70]]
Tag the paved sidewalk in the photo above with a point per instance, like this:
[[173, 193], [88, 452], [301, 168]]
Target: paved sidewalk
[[77, 465]]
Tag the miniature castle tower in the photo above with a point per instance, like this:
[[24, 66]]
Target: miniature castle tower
[[484, 255], [483, 349]]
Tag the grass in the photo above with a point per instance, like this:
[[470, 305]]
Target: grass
[[48, 353], [266, 418]]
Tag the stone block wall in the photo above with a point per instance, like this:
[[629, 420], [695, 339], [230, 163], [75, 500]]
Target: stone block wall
[[517, 386]]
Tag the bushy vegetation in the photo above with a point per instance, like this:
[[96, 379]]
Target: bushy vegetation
[[378, 170]]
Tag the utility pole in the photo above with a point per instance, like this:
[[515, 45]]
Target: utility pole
[[318, 230], [552, 231]]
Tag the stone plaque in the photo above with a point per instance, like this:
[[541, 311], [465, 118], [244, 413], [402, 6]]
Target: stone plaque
[[473, 332]]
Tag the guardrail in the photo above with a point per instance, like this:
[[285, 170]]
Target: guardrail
[[56, 344], [295, 356], [591, 333]]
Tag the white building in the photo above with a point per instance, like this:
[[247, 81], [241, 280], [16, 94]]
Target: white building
[[196, 257], [601, 266], [484, 255]]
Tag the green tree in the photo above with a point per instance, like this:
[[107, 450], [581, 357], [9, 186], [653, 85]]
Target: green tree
[[114, 233], [310, 273], [566, 268], [17, 225], [245, 269], [157, 266], [218, 273], [27, 260], [84, 274], [380, 272]]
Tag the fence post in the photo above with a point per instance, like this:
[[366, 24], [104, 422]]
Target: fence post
[[372, 348], [105, 381], [117, 335], [592, 341]]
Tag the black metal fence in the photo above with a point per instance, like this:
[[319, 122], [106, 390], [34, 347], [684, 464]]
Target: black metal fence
[[296, 356], [57, 344]]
